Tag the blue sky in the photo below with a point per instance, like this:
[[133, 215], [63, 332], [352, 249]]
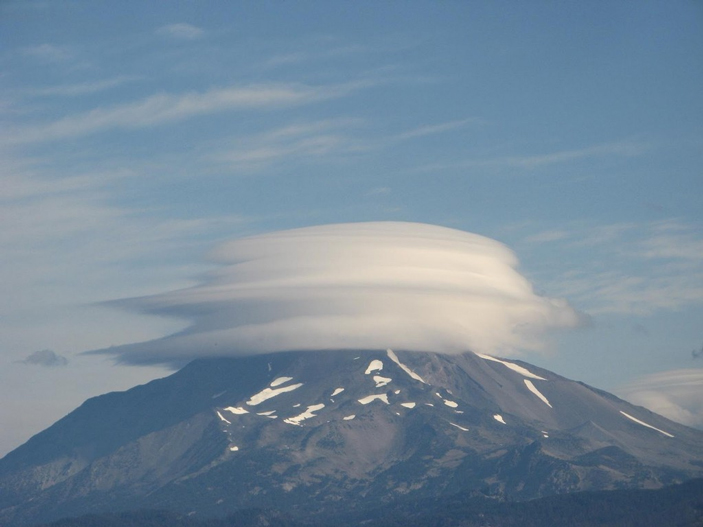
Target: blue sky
[[136, 137]]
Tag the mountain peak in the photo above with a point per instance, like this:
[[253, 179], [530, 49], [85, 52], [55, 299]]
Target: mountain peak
[[284, 428]]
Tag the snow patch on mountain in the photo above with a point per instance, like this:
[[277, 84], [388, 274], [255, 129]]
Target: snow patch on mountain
[[280, 380], [534, 390], [374, 365], [519, 369], [408, 405], [337, 392], [459, 427], [222, 418], [394, 358], [645, 424], [307, 414], [238, 410], [370, 398], [499, 418], [268, 393], [381, 381]]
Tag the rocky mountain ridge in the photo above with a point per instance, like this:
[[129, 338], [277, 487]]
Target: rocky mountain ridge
[[311, 433]]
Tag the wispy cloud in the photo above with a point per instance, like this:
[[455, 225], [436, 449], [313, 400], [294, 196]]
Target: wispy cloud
[[434, 129], [320, 53], [626, 149], [534, 161], [65, 240], [628, 268], [317, 139], [84, 88], [673, 241], [639, 294], [21, 187], [551, 235], [604, 234], [166, 108], [379, 191], [583, 236], [676, 394], [48, 53], [180, 31]]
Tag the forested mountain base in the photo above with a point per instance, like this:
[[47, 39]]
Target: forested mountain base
[[674, 506]]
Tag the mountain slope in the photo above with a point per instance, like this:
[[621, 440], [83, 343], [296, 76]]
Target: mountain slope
[[316, 432], [674, 506]]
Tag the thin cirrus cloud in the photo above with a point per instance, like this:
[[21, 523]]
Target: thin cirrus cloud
[[656, 266], [622, 149], [84, 88], [165, 108], [354, 286], [301, 140], [434, 129], [180, 31], [316, 140], [48, 53], [298, 57], [676, 394]]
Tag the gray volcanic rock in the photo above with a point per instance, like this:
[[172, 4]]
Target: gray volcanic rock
[[314, 433]]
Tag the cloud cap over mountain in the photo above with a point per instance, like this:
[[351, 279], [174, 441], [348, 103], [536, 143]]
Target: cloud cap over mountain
[[354, 286]]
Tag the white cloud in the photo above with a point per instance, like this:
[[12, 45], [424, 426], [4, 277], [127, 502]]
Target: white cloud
[[48, 53], [534, 161], [603, 234], [644, 293], [65, 241], [320, 53], [627, 268], [180, 31], [676, 394], [379, 191], [346, 286], [551, 235], [165, 108], [316, 140], [674, 241], [84, 88], [625, 149], [433, 129]]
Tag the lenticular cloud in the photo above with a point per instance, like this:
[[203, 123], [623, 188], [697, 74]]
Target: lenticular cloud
[[354, 286]]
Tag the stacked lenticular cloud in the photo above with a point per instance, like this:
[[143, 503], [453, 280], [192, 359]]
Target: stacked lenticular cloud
[[354, 286]]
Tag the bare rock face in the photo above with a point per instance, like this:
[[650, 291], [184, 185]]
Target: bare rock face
[[314, 433]]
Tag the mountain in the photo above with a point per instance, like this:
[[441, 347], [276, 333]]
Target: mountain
[[321, 434], [678, 505]]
